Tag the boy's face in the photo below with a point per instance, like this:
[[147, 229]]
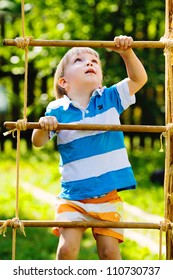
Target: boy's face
[[83, 70]]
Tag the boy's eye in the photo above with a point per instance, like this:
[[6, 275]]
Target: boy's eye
[[94, 61], [77, 59]]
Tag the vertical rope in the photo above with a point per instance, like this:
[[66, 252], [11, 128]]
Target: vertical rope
[[14, 244], [23, 17], [25, 85], [17, 195], [168, 104], [17, 172], [167, 117], [168, 107], [18, 130], [26, 61], [160, 244]]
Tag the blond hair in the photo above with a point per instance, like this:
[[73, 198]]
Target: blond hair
[[58, 90]]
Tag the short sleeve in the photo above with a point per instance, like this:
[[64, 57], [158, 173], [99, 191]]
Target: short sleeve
[[123, 90]]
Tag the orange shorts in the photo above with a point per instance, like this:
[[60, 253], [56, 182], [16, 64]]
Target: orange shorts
[[106, 208]]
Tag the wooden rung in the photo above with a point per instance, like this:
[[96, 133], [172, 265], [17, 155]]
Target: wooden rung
[[100, 127], [85, 224], [92, 44]]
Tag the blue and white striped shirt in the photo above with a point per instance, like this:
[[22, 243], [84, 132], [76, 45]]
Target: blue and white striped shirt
[[93, 163]]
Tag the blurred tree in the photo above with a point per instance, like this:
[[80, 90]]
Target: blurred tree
[[76, 20]]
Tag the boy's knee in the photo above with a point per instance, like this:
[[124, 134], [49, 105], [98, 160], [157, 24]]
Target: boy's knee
[[108, 248], [107, 253], [66, 252], [69, 244]]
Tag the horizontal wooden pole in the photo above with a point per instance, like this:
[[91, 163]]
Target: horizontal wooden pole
[[83, 43], [100, 127], [83, 224]]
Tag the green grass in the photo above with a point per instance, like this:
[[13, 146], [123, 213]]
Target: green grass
[[39, 167]]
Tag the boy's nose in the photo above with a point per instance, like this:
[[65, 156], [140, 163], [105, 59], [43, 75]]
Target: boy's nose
[[89, 63]]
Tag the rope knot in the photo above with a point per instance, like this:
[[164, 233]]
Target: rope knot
[[165, 225], [3, 228], [23, 42], [169, 128], [13, 223], [21, 124], [168, 42]]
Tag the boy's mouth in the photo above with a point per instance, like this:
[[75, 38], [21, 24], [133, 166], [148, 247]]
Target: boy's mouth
[[90, 70]]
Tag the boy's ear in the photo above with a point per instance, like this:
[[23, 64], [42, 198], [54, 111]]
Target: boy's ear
[[62, 82]]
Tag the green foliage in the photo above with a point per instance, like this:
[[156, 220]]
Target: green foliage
[[132, 251], [75, 20], [71, 20]]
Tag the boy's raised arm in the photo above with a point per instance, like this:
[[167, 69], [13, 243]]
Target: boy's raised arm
[[137, 75]]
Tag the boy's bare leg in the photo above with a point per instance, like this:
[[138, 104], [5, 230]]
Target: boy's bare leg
[[69, 243], [108, 248]]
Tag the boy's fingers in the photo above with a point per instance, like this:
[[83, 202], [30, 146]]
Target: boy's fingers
[[116, 40], [123, 42], [130, 41], [48, 123]]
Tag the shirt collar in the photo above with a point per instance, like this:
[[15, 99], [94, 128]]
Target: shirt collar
[[66, 101], [98, 91]]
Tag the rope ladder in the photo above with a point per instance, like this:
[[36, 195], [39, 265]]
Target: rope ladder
[[166, 43]]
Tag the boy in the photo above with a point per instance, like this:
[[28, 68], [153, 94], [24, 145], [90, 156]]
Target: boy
[[94, 164]]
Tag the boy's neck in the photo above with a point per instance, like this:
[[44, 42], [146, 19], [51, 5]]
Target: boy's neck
[[83, 99]]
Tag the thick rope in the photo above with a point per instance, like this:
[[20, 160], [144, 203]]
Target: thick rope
[[169, 127], [22, 43], [21, 125], [168, 43], [168, 52], [13, 223], [23, 17], [168, 168], [164, 227], [17, 172]]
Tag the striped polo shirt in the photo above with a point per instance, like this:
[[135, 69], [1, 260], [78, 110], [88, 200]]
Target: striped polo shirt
[[93, 163]]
